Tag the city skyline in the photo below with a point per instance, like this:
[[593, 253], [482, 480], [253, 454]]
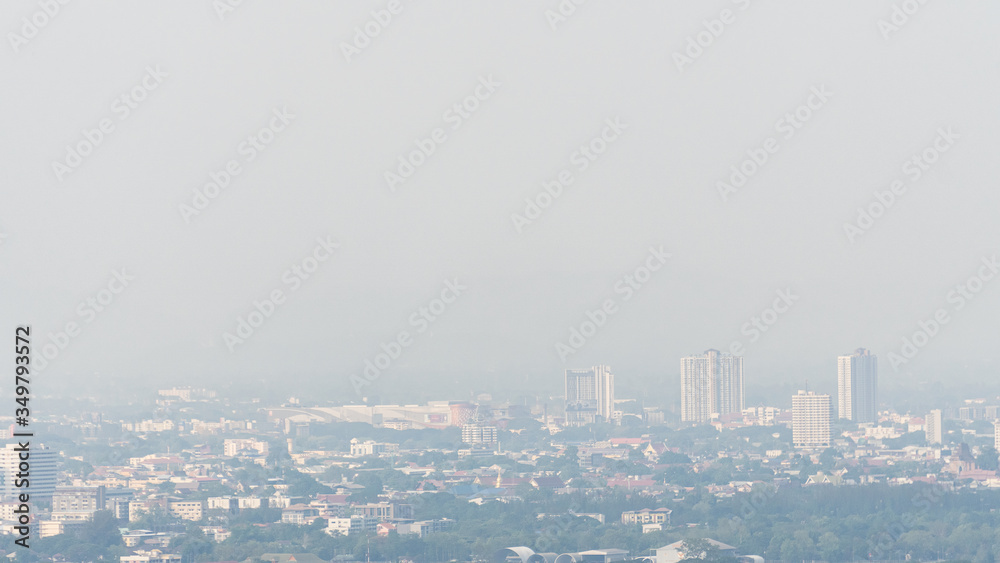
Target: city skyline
[[428, 449], [500, 282]]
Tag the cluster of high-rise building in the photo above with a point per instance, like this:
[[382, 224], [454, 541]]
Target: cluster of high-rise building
[[712, 386], [934, 421], [857, 401], [975, 410]]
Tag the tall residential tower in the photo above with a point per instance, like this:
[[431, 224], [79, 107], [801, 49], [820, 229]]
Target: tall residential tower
[[590, 393], [711, 383], [932, 427], [811, 420], [857, 386], [40, 484]]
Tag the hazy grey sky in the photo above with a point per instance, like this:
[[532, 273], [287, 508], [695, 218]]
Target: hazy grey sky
[[544, 90]]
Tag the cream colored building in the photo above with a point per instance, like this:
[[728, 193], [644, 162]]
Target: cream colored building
[[186, 509], [811, 420]]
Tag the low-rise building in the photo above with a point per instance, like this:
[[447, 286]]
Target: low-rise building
[[351, 525], [299, 514], [216, 533], [186, 509], [424, 527], [244, 446], [154, 556], [229, 504], [371, 447], [647, 516], [385, 511], [249, 502], [135, 538], [478, 433]]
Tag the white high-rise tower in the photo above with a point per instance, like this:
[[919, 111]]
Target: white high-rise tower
[[711, 384], [932, 427], [857, 386], [811, 420], [590, 393]]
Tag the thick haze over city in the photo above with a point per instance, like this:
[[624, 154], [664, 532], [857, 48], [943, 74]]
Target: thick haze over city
[[531, 281], [825, 112]]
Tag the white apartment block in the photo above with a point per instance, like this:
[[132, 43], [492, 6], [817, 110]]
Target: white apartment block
[[249, 502], [932, 427], [647, 516], [811, 420], [244, 446], [222, 503], [371, 447], [146, 426], [475, 433], [352, 525]]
